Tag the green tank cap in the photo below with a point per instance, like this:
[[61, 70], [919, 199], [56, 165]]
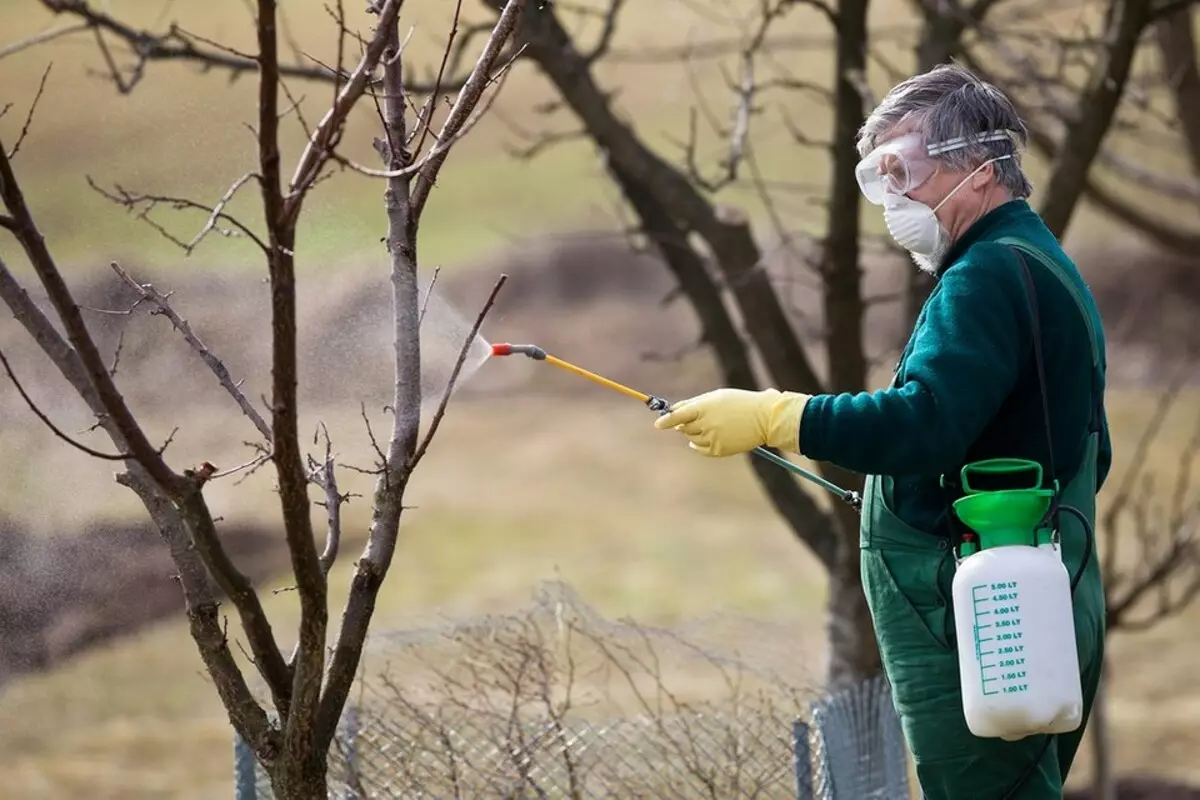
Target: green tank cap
[[1004, 516]]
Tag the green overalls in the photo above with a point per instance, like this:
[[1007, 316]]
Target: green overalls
[[907, 575]]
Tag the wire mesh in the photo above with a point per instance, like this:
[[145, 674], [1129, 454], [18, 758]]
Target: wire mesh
[[558, 702]]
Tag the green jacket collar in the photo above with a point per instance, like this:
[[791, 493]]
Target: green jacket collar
[[991, 225]]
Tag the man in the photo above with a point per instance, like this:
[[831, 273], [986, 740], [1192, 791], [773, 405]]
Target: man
[[941, 155]]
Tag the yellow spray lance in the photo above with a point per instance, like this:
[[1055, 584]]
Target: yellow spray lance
[[661, 406]]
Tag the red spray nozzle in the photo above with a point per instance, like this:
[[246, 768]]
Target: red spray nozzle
[[531, 350]]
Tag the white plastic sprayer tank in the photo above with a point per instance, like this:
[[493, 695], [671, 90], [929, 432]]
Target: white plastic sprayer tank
[[1015, 627]]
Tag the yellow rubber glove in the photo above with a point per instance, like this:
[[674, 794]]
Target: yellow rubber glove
[[726, 422]]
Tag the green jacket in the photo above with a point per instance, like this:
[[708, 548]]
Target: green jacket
[[966, 385]]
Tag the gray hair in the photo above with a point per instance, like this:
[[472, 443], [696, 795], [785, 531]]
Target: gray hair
[[948, 102]]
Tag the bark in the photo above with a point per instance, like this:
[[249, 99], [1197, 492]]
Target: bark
[[302, 780], [1088, 125]]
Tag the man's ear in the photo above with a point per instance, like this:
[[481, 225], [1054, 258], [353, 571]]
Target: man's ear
[[984, 177]]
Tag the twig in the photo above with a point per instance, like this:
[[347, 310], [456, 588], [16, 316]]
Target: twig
[[54, 428], [161, 302], [48, 35], [462, 357], [131, 201], [333, 505], [439, 151], [218, 209], [428, 295], [250, 465], [425, 123], [29, 117], [464, 105]]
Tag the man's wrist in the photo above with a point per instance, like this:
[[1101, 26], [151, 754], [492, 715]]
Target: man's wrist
[[783, 420]]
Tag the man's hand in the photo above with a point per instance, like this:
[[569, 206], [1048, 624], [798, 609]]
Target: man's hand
[[726, 422]]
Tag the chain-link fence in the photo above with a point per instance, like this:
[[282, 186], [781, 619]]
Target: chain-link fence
[[559, 703]]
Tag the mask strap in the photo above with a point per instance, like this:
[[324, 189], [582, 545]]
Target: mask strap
[[964, 180]]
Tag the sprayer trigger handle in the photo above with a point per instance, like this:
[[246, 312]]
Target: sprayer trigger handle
[[659, 405]]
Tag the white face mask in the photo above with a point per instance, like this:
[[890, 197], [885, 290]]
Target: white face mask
[[915, 226]]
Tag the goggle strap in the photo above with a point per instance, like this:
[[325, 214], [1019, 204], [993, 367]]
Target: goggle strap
[[959, 142]]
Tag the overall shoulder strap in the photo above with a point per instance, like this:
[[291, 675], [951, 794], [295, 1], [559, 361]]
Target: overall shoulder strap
[[1039, 359]]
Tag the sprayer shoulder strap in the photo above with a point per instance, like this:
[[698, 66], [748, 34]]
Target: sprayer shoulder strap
[[1039, 359], [1058, 272]]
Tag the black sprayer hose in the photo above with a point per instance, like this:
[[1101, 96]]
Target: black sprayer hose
[[1088, 546]]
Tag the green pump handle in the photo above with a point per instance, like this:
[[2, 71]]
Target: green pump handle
[[1000, 466]]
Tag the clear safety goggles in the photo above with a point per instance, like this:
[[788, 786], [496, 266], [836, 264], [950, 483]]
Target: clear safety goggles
[[902, 164]]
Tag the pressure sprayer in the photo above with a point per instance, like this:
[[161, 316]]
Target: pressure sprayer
[[661, 406], [1014, 622]]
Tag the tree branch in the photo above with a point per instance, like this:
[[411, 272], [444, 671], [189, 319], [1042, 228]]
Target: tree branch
[[1177, 47], [464, 105], [718, 330], [1097, 105], [328, 133], [160, 301], [178, 45], [1173, 238]]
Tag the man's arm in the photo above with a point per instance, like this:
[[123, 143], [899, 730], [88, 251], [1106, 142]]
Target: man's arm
[[965, 359]]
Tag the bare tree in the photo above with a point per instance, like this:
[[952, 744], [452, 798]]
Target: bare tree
[[307, 690]]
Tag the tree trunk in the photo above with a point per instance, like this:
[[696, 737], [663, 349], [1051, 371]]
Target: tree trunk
[[1104, 781], [301, 779], [853, 651]]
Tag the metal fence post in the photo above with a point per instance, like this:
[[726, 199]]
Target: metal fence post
[[351, 745], [803, 759], [862, 744], [243, 770]]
